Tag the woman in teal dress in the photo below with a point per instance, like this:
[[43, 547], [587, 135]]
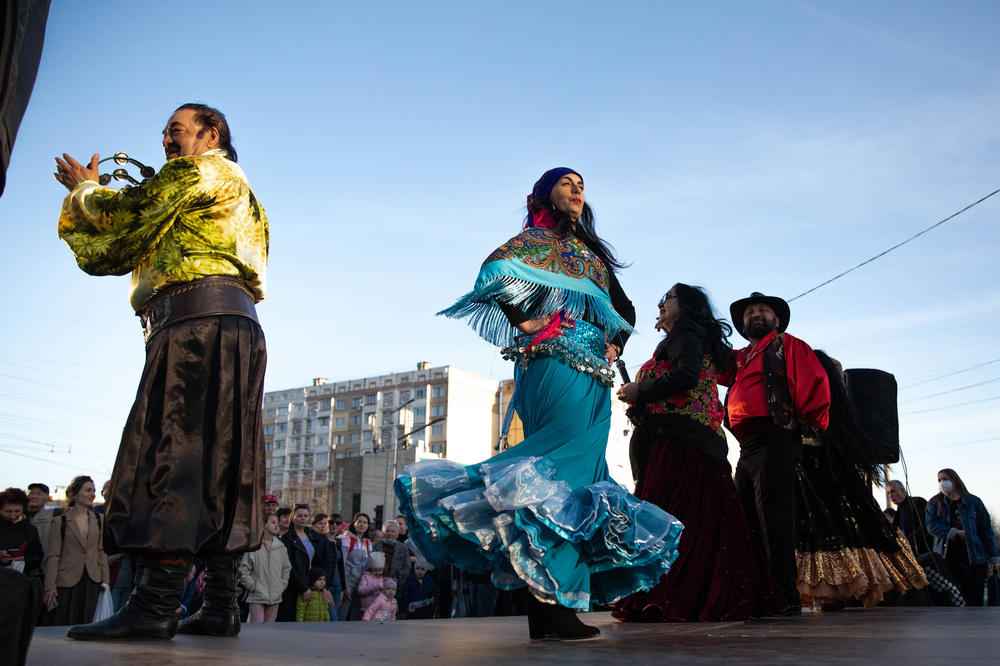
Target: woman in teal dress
[[546, 514]]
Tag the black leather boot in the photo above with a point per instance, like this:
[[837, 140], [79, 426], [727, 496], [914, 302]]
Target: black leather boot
[[219, 614], [151, 610], [554, 622]]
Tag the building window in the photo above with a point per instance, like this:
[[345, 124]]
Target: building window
[[282, 428], [418, 393], [277, 478], [387, 400], [439, 391], [355, 402], [341, 405], [293, 460], [320, 475], [278, 461], [269, 429], [419, 412], [338, 422], [338, 439], [371, 398], [282, 411], [437, 448], [268, 446], [297, 428], [437, 430], [437, 410], [279, 444], [321, 442], [404, 396], [309, 426], [270, 413], [307, 460], [355, 419], [355, 437], [321, 459], [324, 423]]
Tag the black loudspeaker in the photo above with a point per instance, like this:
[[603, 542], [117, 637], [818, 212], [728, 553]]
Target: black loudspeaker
[[873, 394]]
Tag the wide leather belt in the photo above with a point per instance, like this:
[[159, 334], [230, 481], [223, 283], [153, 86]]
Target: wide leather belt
[[207, 297]]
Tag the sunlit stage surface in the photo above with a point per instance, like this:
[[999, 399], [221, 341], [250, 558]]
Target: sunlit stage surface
[[898, 636]]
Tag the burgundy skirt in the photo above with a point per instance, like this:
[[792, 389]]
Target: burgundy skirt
[[189, 477], [719, 574]]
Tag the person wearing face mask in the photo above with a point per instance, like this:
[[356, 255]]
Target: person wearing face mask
[[963, 535], [778, 394], [546, 514], [189, 477]]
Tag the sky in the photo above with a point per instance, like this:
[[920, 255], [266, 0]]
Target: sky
[[743, 147]]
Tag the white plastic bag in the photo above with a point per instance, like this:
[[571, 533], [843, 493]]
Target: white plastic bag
[[104, 606]]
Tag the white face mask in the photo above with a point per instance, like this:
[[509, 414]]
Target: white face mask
[[946, 486]]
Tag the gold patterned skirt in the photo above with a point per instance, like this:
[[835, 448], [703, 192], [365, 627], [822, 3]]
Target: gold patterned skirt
[[846, 548]]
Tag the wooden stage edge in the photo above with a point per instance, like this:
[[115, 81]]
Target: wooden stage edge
[[895, 636]]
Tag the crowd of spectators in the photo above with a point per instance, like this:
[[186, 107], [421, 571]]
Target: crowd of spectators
[[320, 568]]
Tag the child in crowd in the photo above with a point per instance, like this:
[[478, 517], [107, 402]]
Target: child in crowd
[[418, 593], [383, 609], [313, 609], [372, 581]]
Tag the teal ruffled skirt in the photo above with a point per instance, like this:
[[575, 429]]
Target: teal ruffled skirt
[[545, 514]]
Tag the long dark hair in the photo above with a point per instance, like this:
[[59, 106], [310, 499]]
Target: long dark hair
[[207, 116], [368, 532], [696, 306], [584, 231], [845, 436]]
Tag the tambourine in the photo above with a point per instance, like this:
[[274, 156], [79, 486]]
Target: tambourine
[[123, 160]]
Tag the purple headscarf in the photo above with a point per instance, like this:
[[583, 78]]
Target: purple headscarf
[[540, 217]]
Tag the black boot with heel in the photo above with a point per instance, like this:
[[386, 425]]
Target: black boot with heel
[[554, 622], [151, 610], [219, 614]]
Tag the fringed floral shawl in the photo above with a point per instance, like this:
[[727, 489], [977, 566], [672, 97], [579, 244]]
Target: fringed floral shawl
[[539, 273]]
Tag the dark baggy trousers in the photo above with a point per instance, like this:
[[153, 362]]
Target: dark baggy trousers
[[765, 481]]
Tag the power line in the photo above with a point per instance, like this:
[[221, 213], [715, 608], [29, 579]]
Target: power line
[[944, 447], [961, 404], [897, 245], [954, 390], [956, 372], [51, 462]]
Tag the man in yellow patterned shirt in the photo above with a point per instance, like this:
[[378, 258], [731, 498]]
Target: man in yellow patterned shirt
[[189, 477]]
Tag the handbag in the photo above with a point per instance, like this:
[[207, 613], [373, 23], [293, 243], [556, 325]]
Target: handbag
[[105, 609], [993, 589]]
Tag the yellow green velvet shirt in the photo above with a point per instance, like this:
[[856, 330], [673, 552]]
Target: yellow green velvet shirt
[[197, 217]]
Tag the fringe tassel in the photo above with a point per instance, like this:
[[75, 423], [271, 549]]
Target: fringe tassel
[[480, 307]]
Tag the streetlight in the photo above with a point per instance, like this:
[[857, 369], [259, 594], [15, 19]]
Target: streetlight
[[385, 480], [395, 452]]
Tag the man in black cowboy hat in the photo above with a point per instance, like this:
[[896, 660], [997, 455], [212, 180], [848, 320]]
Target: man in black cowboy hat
[[778, 393]]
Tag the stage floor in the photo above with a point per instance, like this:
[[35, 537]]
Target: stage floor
[[897, 636]]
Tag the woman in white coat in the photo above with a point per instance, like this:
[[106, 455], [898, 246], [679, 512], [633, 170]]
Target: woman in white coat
[[264, 574]]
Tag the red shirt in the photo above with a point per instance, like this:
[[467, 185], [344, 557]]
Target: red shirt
[[807, 383]]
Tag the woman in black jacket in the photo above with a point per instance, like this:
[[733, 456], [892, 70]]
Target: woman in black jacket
[[678, 454], [306, 549]]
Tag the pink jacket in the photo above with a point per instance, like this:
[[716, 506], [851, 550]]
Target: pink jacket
[[368, 589], [383, 609]]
